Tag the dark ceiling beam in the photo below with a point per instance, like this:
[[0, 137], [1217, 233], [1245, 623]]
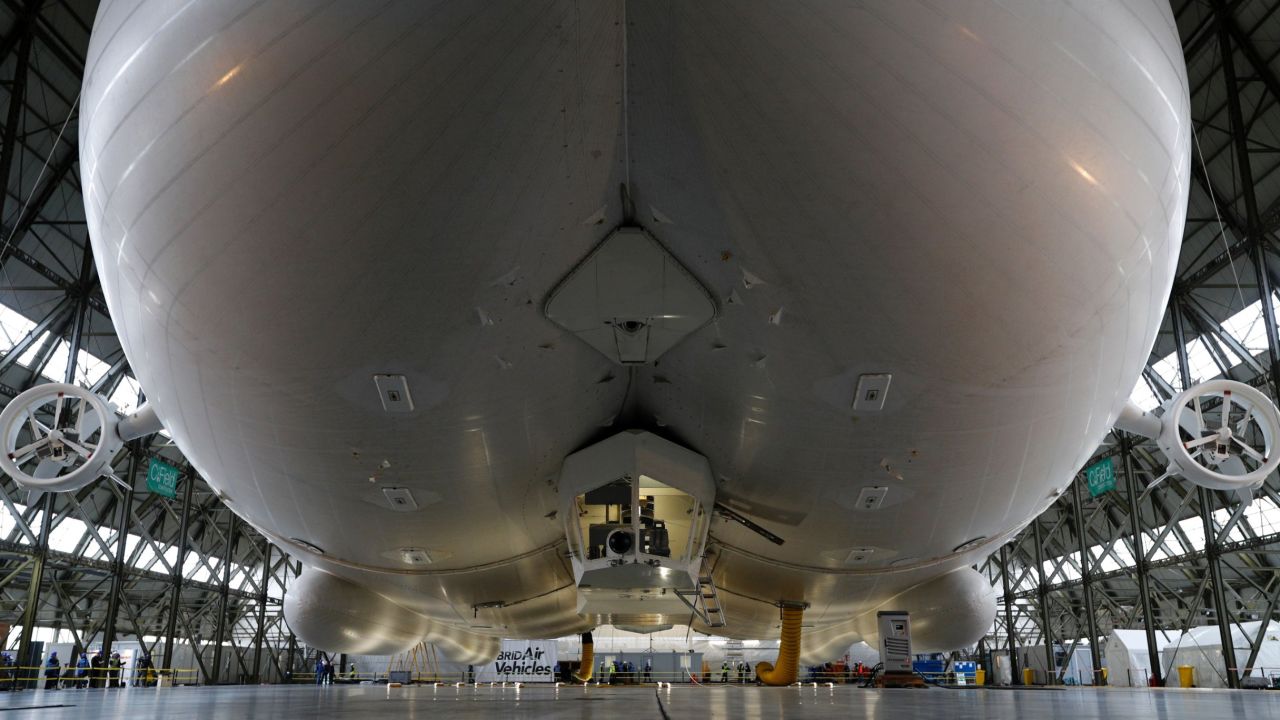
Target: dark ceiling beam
[[1233, 222], [13, 114], [1270, 218], [53, 41], [59, 47], [1244, 172], [1261, 68], [1266, 102], [53, 177], [25, 16], [1200, 36], [57, 315]]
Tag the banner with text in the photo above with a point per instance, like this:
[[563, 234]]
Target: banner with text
[[521, 661]]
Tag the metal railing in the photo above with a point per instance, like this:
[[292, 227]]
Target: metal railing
[[33, 677]]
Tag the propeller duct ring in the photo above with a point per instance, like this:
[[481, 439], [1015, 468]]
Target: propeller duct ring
[[1212, 454], [69, 430]]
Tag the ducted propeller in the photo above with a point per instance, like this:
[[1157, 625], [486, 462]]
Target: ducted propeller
[[1220, 434], [60, 437]]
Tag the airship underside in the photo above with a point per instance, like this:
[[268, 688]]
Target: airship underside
[[512, 318]]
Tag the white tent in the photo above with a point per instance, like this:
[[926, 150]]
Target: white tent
[[1128, 663], [1201, 649]]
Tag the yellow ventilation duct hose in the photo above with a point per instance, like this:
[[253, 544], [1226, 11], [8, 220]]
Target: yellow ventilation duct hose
[[588, 659], [787, 669]]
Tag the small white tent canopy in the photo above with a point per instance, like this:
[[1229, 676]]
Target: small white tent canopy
[[1128, 663], [1201, 648]]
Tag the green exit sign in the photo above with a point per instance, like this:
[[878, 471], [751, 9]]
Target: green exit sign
[[162, 479], [1101, 477]]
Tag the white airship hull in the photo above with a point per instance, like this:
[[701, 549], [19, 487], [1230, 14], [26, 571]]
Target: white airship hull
[[982, 200]]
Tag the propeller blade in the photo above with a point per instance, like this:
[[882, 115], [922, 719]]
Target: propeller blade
[[1233, 465], [47, 469], [35, 426], [1248, 450], [1244, 421], [1202, 441], [80, 419], [79, 450], [22, 452], [89, 425]]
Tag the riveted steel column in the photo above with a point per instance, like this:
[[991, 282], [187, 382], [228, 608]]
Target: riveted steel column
[[118, 562], [1086, 583], [293, 639], [1014, 677], [1046, 632], [262, 609], [1211, 550], [77, 328], [175, 578], [1212, 557], [293, 651], [220, 635], [1141, 566], [39, 555]]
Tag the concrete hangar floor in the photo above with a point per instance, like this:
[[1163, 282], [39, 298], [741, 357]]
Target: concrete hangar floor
[[678, 703]]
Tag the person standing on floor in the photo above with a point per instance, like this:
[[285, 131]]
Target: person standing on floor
[[97, 674], [142, 674], [52, 671], [648, 669], [319, 670], [82, 671]]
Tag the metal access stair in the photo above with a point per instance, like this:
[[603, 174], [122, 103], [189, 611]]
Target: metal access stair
[[704, 601]]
